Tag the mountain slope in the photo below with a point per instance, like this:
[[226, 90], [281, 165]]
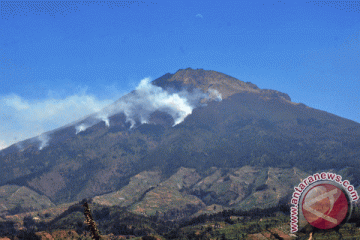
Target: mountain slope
[[229, 124], [15, 199]]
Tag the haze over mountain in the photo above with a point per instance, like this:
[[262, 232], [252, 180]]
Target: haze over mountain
[[184, 142]]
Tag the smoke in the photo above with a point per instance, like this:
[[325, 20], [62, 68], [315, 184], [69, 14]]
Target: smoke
[[19, 145], [22, 119], [104, 118], [214, 94], [2, 144], [44, 140], [148, 98], [92, 120], [82, 127]]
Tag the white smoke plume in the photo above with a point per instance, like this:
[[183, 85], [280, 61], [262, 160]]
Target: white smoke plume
[[44, 140], [22, 118], [214, 94], [80, 128], [148, 98], [2, 144], [104, 118]]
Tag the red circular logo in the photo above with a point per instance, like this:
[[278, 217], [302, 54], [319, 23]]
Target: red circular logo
[[325, 206]]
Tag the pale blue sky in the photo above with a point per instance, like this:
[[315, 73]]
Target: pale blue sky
[[61, 60]]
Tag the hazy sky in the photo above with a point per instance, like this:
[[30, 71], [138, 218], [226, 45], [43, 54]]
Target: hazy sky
[[61, 60]]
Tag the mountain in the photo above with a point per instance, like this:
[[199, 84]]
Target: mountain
[[15, 199], [188, 141]]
